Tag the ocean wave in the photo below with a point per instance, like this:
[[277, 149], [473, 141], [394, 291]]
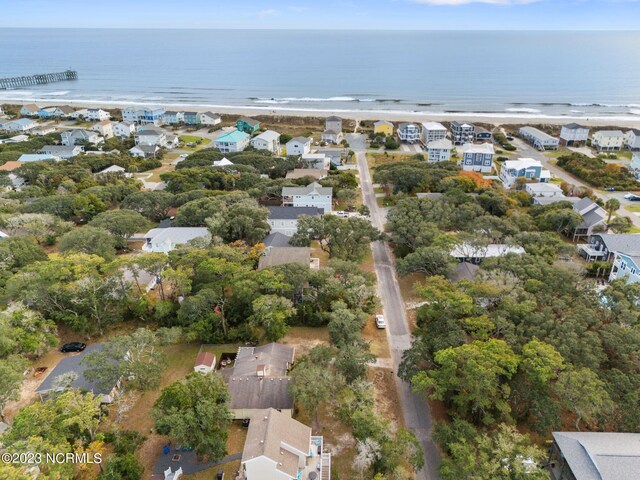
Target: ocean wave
[[607, 105], [284, 100], [522, 110], [55, 94], [634, 111]]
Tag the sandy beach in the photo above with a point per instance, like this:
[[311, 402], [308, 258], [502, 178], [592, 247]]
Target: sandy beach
[[623, 121]]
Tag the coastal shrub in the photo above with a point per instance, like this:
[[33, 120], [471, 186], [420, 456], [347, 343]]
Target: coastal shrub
[[597, 172]]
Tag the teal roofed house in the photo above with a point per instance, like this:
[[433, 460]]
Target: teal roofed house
[[247, 125], [191, 118], [232, 142]]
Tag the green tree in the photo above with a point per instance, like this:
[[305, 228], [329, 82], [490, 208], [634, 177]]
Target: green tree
[[428, 260], [121, 223], [136, 358], [24, 331], [11, 370], [195, 411], [89, 240], [122, 467], [352, 361], [153, 205], [611, 206], [271, 314], [311, 386], [43, 227], [473, 377], [584, 394]]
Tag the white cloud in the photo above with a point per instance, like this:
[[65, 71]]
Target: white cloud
[[267, 13], [297, 9], [466, 2]]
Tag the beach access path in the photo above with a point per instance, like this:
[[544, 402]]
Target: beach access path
[[415, 408]]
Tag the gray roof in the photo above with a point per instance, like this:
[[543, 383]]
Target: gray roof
[[550, 200], [74, 364], [333, 118], [330, 132], [55, 149], [250, 121], [537, 134], [276, 359], [177, 235], [276, 239], [430, 195], [575, 126], [146, 149], [611, 133], [260, 393], [300, 139], [292, 213], [601, 455], [312, 188], [281, 256], [591, 218], [465, 271], [268, 136], [583, 203], [621, 242]]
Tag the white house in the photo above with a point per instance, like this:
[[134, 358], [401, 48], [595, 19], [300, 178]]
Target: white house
[[433, 131], [151, 136], [439, 150], [284, 220], [78, 114], [114, 169], [104, 128], [607, 140], [281, 448], [635, 165], [144, 151], [37, 157], [29, 110], [209, 119], [332, 136], [163, 240], [205, 362], [124, 129], [527, 168], [97, 115], [72, 137], [466, 252], [574, 135], [62, 151], [548, 190], [316, 160], [235, 141], [43, 130], [268, 140], [299, 146], [144, 115], [409, 132], [313, 195], [632, 139], [477, 158], [539, 139], [333, 123], [14, 139], [20, 125]]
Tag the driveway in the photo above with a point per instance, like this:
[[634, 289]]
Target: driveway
[[415, 409]]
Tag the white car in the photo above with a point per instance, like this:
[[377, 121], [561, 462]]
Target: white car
[[380, 322]]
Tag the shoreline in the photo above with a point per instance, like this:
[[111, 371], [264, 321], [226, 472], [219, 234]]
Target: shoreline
[[497, 119]]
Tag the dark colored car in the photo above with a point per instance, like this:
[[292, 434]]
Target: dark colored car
[[610, 189], [73, 347], [220, 475], [635, 198]]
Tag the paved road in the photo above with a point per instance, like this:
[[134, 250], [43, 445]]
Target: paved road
[[528, 151], [415, 409]]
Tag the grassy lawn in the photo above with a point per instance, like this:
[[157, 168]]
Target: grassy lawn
[[235, 444], [194, 139], [632, 208], [375, 159]]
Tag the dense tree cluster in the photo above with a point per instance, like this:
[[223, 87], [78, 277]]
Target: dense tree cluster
[[597, 172]]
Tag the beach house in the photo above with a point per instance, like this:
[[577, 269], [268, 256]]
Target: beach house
[[316, 160], [268, 140], [607, 140], [574, 135], [37, 157], [298, 146], [209, 119], [543, 190], [104, 128], [124, 129], [278, 447], [632, 139], [593, 217], [144, 151], [462, 133], [29, 110], [42, 130], [247, 125], [191, 118], [154, 136], [526, 168], [73, 137], [594, 456], [113, 170], [539, 139], [383, 127], [47, 112], [284, 220], [332, 136], [97, 115], [603, 246], [20, 125], [235, 141], [625, 266], [144, 115], [482, 135], [439, 150], [163, 240], [172, 117], [409, 132], [477, 158], [635, 165], [62, 151], [313, 195], [433, 131]]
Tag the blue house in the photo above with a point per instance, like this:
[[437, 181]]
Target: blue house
[[526, 168], [247, 125], [173, 118], [477, 158], [191, 118]]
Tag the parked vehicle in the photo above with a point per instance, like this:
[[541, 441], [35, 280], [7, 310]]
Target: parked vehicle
[[380, 322], [73, 347]]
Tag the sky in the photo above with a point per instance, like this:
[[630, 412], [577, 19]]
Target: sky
[[325, 14]]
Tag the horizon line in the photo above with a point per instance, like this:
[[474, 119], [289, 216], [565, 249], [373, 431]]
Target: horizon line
[[556, 30]]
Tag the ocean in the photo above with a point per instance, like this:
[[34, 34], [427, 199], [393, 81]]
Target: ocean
[[572, 74]]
